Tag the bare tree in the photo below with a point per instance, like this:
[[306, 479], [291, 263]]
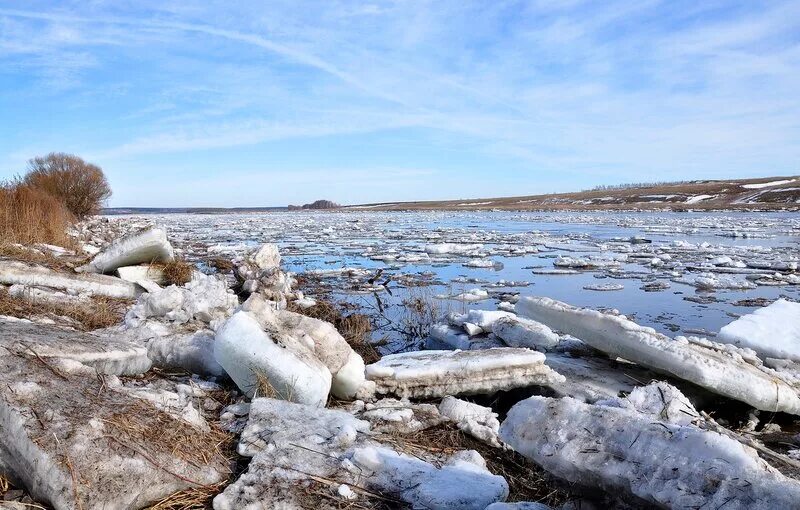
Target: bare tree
[[80, 185]]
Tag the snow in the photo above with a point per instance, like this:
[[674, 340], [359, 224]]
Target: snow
[[461, 484], [698, 198], [772, 331], [661, 463], [36, 276], [148, 246], [720, 368], [520, 332], [430, 374], [760, 185], [247, 352], [475, 420]]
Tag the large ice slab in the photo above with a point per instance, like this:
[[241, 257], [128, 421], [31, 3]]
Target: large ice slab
[[424, 374], [252, 356], [37, 276], [658, 461], [720, 368], [150, 245], [76, 442], [772, 331], [106, 355]]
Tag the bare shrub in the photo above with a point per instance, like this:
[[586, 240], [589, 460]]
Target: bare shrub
[[30, 215], [80, 185]]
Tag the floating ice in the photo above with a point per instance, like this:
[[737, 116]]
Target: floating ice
[[720, 368], [772, 331]]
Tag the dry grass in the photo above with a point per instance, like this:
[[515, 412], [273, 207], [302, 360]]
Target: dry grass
[[177, 272], [526, 481], [196, 498], [221, 264], [30, 215], [39, 257], [5, 485], [354, 327], [99, 312]]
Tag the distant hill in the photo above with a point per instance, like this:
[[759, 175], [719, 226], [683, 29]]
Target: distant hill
[[760, 193], [319, 204]]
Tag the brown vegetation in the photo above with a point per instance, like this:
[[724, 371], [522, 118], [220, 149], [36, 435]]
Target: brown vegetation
[[221, 264], [81, 186], [354, 327], [96, 313], [30, 215], [177, 272]]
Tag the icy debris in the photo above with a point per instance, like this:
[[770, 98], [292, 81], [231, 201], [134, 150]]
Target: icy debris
[[37, 276], [469, 295], [399, 416], [484, 319], [193, 352], [267, 257], [463, 483], [150, 277], [720, 368], [430, 374], [604, 287], [710, 281], [45, 295], [661, 463], [456, 249], [318, 336], [106, 355], [660, 401], [772, 331], [520, 332], [260, 272], [76, 442], [204, 298], [585, 263], [591, 377], [476, 420], [259, 363], [445, 337], [148, 246], [293, 444]]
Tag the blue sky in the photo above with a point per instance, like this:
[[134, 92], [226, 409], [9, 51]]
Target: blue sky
[[220, 103]]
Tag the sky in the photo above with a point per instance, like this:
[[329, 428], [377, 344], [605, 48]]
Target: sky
[[225, 103]]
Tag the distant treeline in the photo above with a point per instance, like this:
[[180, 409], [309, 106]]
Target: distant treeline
[[633, 185], [319, 204]]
